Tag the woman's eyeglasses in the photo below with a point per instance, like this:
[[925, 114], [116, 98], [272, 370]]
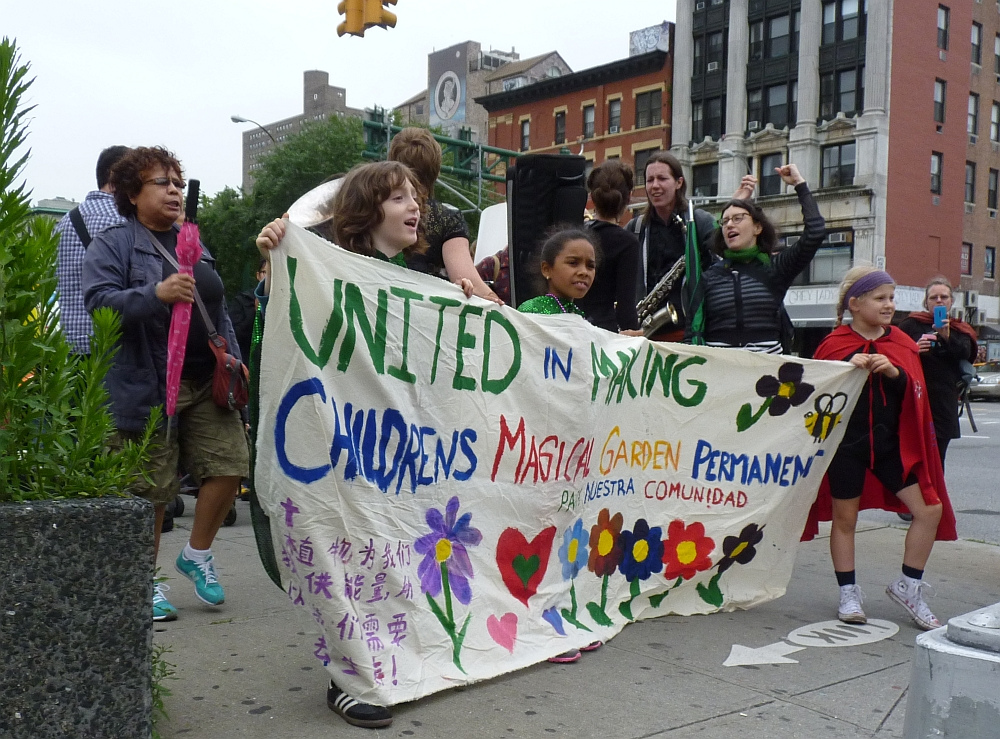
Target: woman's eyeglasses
[[165, 181], [736, 219]]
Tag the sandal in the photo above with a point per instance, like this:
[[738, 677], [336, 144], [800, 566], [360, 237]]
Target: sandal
[[566, 657]]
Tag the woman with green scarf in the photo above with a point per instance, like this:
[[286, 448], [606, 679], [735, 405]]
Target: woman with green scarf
[[741, 297]]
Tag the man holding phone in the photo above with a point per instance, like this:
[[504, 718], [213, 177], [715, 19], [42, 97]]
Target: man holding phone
[[944, 342]]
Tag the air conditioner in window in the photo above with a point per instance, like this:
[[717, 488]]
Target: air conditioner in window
[[717, 2], [713, 66], [996, 147], [837, 237], [973, 139], [970, 207], [613, 129], [753, 126], [980, 317], [971, 298], [699, 6], [936, 200]]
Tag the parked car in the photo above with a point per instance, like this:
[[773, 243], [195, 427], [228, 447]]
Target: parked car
[[987, 382]]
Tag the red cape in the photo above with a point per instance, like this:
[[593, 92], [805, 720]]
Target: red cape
[[917, 445], [955, 324]]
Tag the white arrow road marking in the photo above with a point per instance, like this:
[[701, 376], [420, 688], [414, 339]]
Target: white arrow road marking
[[772, 654], [822, 634]]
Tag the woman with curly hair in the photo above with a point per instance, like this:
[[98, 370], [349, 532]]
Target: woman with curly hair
[[125, 270]]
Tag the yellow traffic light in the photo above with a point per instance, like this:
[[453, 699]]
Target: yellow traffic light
[[354, 16], [376, 16]]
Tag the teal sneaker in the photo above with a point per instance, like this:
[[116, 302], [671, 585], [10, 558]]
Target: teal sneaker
[[162, 609], [206, 582]]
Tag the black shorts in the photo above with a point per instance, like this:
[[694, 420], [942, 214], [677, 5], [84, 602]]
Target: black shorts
[[846, 473]]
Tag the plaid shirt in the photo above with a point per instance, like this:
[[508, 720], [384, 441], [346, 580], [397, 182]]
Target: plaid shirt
[[98, 211]]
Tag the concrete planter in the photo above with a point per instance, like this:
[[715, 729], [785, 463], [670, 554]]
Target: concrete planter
[[76, 621]]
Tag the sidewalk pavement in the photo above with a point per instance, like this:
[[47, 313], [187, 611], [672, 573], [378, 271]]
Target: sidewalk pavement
[[245, 669]]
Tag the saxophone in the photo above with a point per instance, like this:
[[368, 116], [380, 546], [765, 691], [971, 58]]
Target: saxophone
[[653, 317]]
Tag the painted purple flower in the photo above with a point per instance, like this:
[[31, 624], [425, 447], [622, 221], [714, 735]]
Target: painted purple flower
[[445, 547], [785, 390]]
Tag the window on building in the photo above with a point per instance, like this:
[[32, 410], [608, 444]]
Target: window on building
[[937, 168], [706, 180], [996, 54], [994, 185], [770, 181], [841, 91], [716, 52], [615, 116], [977, 43], [847, 87], [560, 127], [699, 55], [779, 36], [713, 118], [843, 20], [648, 109], [970, 182], [776, 112], [995, 122], [641, 157], [698, 122], [990, 263], [588, 121], [966, 263], [942, 27], [756, 40], [972, 121], [940, 94], [838, 165], [755, 110], [525, 135], [831, 262]]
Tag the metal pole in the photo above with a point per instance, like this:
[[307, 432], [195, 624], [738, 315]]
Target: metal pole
[[241, 119]]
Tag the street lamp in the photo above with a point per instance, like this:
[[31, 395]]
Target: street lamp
[[241, 119]]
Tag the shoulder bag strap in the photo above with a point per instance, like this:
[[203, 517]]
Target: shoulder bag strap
[[81, 228], [213, 335]]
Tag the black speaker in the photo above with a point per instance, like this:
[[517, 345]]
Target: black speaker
[[542, 190]]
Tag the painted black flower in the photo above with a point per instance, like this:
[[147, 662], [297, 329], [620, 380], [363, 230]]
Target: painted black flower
[[785, 390], [740, 549]]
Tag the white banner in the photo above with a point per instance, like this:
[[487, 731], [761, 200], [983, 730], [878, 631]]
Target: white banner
[[458, 490]]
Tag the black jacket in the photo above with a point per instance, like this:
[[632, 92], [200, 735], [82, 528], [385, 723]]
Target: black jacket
[[941, 374], [610, 302], [743, 303]]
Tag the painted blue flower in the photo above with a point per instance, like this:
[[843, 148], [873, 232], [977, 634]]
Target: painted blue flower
[[573, 552], [642, 551], [446, 545]]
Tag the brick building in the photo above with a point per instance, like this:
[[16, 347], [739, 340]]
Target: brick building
[[617, 110], [888, 110]]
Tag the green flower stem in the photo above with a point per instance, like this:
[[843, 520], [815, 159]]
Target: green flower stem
[[597, 612], [604, 593], [570, 615], [626, 608], [447, 595], [745, 418], [656, 600]]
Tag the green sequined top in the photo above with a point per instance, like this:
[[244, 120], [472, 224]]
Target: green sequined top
[[549, 305]]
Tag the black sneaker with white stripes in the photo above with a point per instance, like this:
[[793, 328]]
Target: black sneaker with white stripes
[[356, 713]]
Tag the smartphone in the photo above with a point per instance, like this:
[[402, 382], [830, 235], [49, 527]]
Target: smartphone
[[940, 316]]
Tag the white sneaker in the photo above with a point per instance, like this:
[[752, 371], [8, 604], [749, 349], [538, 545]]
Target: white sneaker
[[850, 611], [907, 592]]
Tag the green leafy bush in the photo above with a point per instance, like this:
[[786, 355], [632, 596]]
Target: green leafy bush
[[54, 421]]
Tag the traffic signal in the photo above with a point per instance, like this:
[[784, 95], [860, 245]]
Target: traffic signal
[[354, 16], [375, 15]]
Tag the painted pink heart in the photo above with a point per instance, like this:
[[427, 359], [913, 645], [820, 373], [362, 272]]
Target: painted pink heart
[[503, 630]]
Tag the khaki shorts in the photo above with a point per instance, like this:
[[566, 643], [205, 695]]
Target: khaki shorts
[[206, 441]]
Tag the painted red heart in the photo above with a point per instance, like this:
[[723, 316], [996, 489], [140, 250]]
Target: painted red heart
[[522, 563]]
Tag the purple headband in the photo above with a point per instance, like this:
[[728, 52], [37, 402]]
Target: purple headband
[[866, 284]]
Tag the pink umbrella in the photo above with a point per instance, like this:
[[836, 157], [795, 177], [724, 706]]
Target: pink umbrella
[[188, 254]]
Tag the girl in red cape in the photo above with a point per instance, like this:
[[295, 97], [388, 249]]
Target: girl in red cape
[[888, 458]]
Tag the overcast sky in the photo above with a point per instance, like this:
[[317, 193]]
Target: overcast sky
[[140, 73]]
